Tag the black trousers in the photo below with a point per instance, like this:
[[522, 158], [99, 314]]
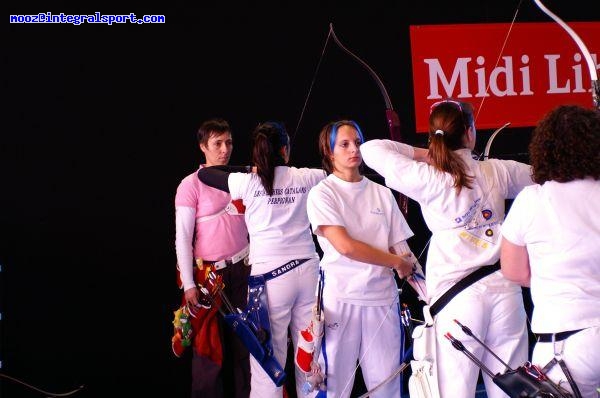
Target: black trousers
[[233, 378]]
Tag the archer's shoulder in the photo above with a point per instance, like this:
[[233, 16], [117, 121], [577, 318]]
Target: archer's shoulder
[[508, 165]]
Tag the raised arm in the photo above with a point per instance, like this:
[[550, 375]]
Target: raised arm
[[218, 176], [377, 154]]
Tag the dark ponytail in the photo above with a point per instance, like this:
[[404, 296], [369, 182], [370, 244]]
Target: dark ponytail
[[269, 139]]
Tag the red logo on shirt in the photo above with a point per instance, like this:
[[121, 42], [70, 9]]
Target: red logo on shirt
[[239, 206]]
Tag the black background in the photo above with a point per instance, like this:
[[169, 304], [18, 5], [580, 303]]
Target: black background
[[99, 128]]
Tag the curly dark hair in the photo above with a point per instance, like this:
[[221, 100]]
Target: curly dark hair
[[565, 145]]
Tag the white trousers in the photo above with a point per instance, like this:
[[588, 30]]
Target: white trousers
[[290, 297], [493, 309], [371, 335], [581, 353]]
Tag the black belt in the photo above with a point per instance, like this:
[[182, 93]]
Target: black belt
[[547, 337]]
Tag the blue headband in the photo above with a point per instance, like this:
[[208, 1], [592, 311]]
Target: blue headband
[[334, 131]]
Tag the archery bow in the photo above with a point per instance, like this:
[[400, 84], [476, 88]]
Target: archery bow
[[391, 115], [393, 122], [584, 50], [586, 54], [392, 118]]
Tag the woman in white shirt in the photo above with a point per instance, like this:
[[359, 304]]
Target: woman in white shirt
[[363, 237], [282, 252], [551, 242], [463, 204]]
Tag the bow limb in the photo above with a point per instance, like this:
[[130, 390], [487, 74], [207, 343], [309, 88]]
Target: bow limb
[[584, 50], [488, 145], [393, 120], [392, 116]]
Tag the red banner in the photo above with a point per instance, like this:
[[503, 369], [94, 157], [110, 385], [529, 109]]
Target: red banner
[[539, 68]]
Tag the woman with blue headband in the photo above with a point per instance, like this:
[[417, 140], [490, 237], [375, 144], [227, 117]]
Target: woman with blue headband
[[363, 237]]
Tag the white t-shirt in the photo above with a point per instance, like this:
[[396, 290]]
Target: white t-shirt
[[369, 213], [465, 227], [560, 225], [278, 225]]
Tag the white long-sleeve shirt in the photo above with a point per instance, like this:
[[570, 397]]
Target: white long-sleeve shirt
[[466, 226]]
